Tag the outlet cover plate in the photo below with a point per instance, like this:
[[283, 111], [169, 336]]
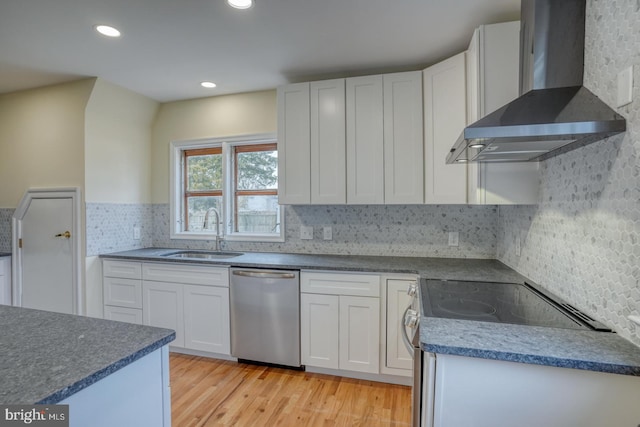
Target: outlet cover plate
[[454, 238], [327, 233], [306, 232]]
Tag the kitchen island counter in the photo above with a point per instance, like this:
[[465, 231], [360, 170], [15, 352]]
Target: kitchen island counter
[[47, 357]]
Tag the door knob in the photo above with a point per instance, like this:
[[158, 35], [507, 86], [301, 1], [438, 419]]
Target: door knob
[[66, 235]]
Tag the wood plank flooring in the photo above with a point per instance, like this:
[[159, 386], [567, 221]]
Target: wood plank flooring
[[209, 392]]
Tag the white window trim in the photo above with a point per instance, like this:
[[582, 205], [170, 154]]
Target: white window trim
[[175, 193]]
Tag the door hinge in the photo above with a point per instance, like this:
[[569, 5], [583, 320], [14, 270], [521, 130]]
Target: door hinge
[[20, 243]]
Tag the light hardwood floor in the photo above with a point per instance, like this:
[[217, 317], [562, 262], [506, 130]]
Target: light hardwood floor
[[209, 392]]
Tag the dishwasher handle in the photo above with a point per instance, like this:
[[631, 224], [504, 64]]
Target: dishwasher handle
[[266, 274]]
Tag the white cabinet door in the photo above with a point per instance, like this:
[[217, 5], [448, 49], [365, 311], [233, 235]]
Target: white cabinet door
[[294, 146], [445, 104], [403, 138], [397, 355], [328, 152], [365, 142], [206, 321], [360, 334], [493, 81], [163, 306], [122, 292], [5, 280], [123, 314], [319, 336]]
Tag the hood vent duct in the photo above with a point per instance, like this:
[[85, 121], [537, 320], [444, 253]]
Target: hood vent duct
[[554, 113]]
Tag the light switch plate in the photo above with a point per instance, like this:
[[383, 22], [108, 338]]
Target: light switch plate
[[518, 245], [327, 233], [136, 233], [306, 232], [454, 238], [625, 86]]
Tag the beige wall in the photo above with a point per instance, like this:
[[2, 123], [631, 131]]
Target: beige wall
[[118, 145], [229, 115], [42, 139]]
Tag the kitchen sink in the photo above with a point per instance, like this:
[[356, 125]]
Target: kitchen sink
[[203, 255]]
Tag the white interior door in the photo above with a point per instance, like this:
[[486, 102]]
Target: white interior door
[[47, 255]]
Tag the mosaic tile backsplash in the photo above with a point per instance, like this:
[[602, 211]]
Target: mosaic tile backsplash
[[406, 230], [5, 229], [583, 239], [110, 227]]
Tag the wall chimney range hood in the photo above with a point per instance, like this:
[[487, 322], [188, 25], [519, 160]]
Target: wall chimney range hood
[[554, 113]]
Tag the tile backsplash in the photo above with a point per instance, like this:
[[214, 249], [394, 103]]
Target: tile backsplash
[[583, 239], [403, 230], [5, 229], [110, 227]]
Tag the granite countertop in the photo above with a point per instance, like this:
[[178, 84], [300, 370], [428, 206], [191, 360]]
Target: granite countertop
[[431, 268], [564, 348], [596, 351], [46, 357], [4, 254]]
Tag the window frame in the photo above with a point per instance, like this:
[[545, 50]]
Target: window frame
[[229, 176]]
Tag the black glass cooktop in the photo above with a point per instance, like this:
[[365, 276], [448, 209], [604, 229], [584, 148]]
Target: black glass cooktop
[[499, 302]]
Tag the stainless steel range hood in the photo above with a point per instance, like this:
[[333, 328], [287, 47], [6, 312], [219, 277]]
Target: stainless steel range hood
[[554, 113]]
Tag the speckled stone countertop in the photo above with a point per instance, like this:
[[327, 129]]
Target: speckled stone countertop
[[46, 357], [564, 348], [432, 268], [4, 254]]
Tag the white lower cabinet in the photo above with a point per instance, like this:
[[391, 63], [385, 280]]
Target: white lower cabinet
[[359, 334], [474, 392], [122, 290], [197, 307], [319, 330], [191, 299], [340, 331], [123, 314], [206, 319], [163, 306]]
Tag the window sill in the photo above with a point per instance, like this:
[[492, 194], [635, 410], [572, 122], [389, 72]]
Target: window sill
[[258, 238]]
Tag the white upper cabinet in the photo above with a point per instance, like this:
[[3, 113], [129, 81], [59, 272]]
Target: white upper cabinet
[[365, 149], [294, 146], [403, 138], [445, 116], [492, 81], [328, 142]]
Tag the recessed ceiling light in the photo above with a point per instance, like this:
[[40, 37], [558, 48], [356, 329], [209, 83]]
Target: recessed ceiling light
[[208, 85], [476, 145], [108, 31], [462, 160], [240, 4]]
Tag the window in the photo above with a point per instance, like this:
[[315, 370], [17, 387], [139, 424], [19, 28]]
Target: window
[[228, 186]]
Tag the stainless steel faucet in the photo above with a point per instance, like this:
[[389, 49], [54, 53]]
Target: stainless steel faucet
[[205, 225]]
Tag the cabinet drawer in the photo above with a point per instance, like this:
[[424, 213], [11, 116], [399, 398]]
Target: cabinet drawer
[[340, 284], [187, 274], [123, 314], [123, 269], [122, 292]]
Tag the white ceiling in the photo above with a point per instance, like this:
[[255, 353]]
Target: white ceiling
[[169, 46]]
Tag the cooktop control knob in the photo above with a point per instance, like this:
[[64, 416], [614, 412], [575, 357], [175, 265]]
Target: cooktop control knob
[[413, 288], [411, 318]]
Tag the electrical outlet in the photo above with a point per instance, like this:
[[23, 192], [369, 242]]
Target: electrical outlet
[[306, 232], [136, 233], [625, 86], [518, 245], [327, 233], [454, 238]]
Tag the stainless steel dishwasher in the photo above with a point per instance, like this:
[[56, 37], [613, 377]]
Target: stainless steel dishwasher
[[265, 316]]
